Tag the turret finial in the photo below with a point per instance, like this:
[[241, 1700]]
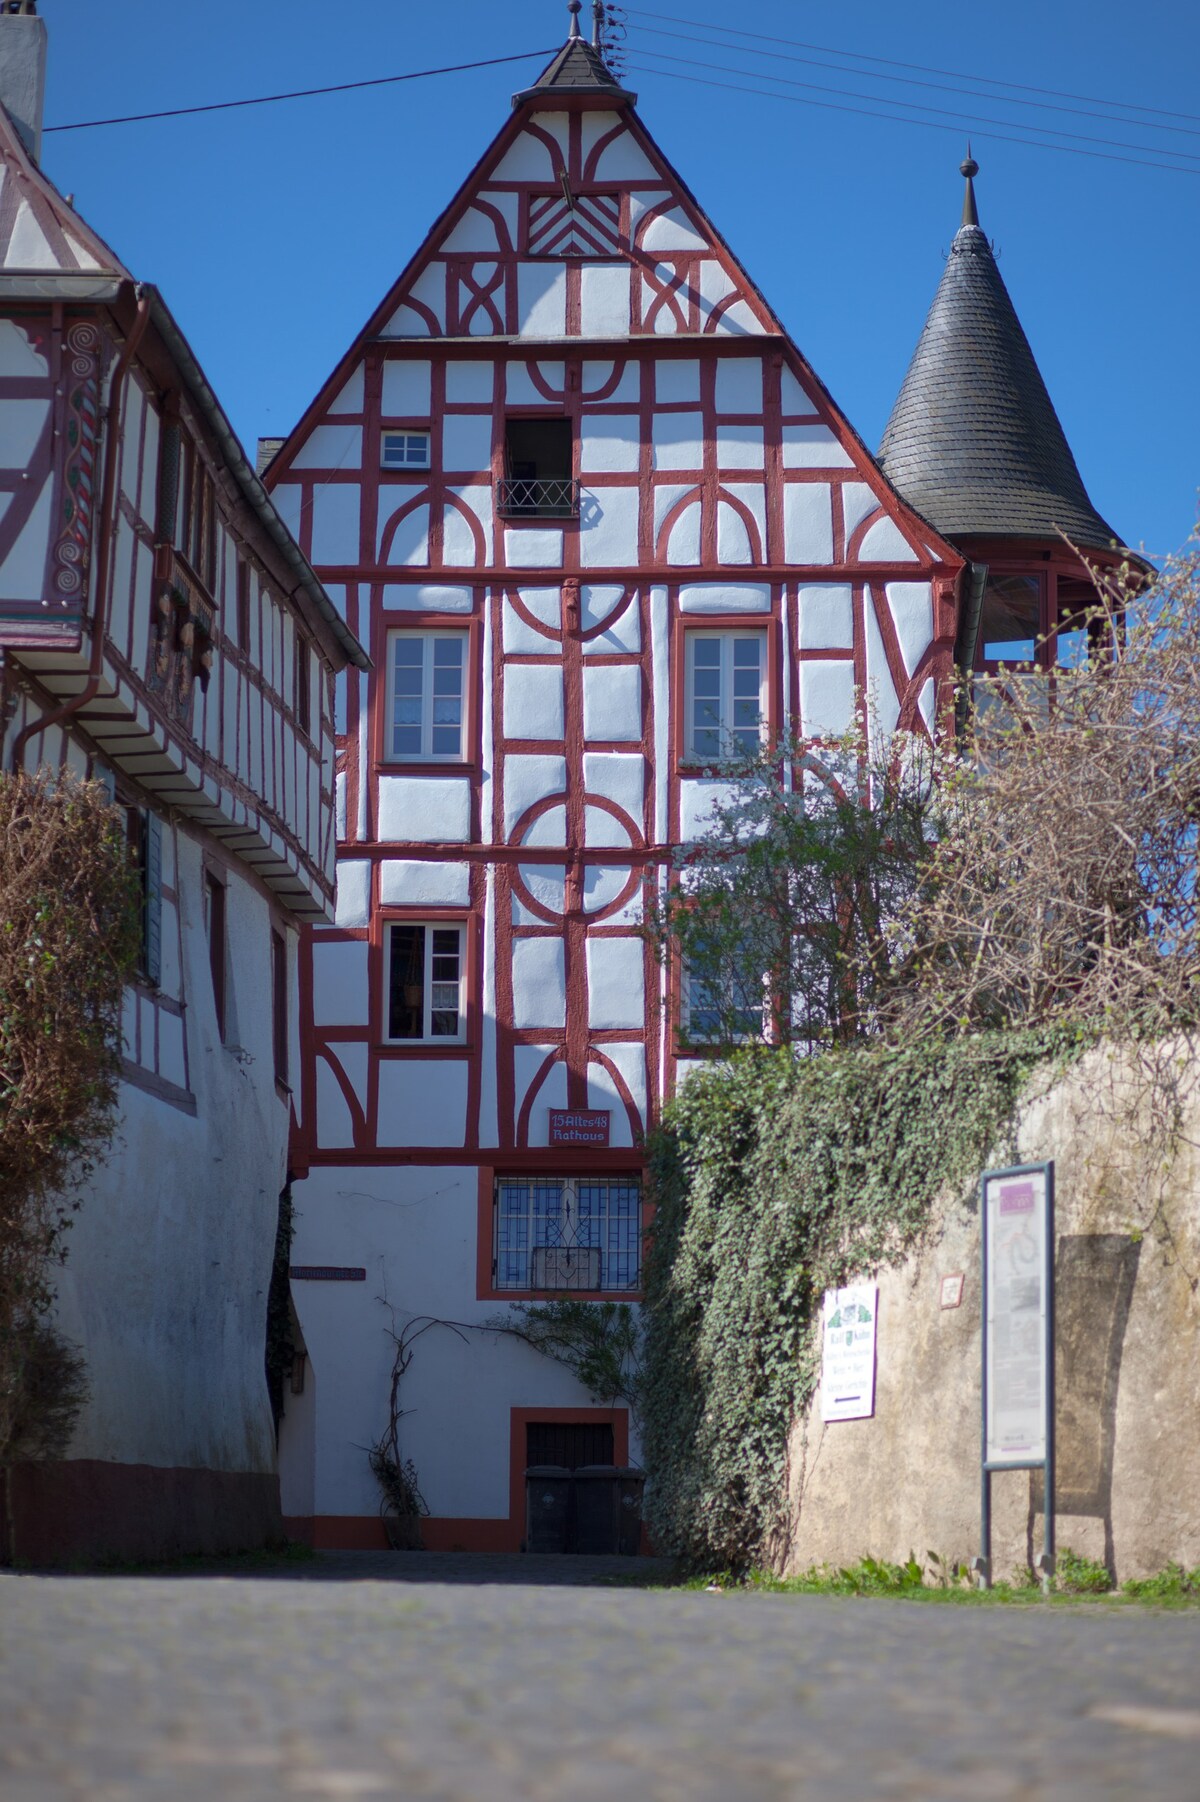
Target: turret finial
[[574, 7], [969, 168]]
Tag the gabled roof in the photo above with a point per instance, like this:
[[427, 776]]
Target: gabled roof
[[974, 443], [39, 231], [579, 68]]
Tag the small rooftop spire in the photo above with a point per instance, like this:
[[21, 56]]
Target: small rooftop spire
[[969, 168], [574, 7]]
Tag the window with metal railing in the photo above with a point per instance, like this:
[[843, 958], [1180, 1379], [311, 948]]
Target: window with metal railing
[[537, 481], [568, 1233]]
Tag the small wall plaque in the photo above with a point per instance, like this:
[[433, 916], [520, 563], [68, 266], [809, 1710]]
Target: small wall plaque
[[578, 1126], [952, 1290]]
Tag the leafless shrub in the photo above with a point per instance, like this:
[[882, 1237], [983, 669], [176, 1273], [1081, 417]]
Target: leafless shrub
[[68, 938], [1063, 884]]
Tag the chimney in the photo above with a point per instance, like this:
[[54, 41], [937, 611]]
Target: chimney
[[23, 70]]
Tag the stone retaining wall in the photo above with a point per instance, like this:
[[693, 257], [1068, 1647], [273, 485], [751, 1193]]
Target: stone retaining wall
[[1128, 1365]]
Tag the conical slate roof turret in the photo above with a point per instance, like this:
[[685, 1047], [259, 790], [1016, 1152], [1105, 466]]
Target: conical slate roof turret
[[579, 67], [974, 443]]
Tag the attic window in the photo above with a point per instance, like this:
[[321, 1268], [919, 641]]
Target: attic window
[[406, 450]]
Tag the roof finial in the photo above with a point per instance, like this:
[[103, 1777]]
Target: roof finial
[[574, 7], [597, 24], [969, 168]]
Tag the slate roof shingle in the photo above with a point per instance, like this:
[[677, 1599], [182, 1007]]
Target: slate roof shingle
[[974, 443], [578, 68]]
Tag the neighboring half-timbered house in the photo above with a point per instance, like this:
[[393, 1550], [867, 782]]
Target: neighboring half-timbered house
[[594, 516], [161, 631]]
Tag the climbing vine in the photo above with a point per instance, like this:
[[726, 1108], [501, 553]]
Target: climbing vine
[[599, 1342], [775, 1178], [68, 941]]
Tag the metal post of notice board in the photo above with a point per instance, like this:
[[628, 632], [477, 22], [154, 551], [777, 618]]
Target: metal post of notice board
[[1017, 1222]]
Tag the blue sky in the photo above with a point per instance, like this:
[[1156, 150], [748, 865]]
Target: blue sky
[[273, 232]]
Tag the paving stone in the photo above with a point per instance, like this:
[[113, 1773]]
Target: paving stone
[[452, 1678]]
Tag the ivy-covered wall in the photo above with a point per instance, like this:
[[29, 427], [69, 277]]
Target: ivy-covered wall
[[1127, 1291], [775, 1178]]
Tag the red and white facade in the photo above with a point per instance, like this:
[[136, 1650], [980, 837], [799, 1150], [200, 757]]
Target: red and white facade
[[719, 535]]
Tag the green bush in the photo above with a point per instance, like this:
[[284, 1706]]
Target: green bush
[[776, 1177]]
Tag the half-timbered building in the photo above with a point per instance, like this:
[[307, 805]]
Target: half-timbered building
[[161, 632], [596, 519]]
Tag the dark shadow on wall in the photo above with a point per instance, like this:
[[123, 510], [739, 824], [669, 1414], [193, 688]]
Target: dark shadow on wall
[[1094, 1277]]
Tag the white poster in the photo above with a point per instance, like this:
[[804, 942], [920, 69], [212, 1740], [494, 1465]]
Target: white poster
[[1016, 1344], [848, 1352]]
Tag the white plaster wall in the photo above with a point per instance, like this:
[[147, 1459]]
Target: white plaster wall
[[165, 1287], [414, 1231]]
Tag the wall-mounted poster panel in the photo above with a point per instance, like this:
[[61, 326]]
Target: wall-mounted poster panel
[[848, 1352], [1017, 1313]]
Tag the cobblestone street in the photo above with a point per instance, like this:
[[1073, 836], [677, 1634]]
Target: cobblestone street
[[538, 1680]]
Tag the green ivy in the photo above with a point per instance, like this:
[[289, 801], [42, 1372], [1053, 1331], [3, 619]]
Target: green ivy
[[775, 1178]]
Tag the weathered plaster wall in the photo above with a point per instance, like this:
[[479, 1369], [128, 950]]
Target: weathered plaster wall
[[165, 1285], [1127, 1370]]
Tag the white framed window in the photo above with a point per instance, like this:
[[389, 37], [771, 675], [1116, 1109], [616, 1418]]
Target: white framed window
[[424, 1001], [405, 450], [719, 1009], [567, 1232], [427, 683], [726, 694]]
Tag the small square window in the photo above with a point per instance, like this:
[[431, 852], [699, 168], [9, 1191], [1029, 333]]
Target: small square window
[[425, 971], [427, 673], [406, 450], [726, 700]]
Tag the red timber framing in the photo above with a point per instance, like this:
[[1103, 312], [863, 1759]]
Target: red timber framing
[[673, 371], [721, 491]]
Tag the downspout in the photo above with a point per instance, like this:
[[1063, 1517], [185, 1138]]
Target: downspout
[[108, 526]]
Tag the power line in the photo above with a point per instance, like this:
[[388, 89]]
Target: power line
[[923, 106], [344, 87], [919, 68], [713, 42], [834, 106]]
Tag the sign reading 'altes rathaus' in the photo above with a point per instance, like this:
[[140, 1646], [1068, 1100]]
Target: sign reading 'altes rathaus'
[[578, 1126]]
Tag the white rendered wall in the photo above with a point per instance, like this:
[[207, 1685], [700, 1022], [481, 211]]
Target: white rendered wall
[[165, 1286], [414, 1231]]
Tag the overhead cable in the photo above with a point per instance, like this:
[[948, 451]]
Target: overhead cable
[[342, 87], [968, 119], [714, 42], [864, 112], [920, 68]]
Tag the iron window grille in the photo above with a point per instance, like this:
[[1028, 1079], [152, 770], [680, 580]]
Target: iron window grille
[[581, 1234], [537, 497]]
